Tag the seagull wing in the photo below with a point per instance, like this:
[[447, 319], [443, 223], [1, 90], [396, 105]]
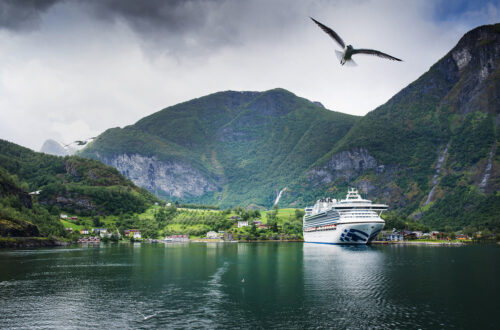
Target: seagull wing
[[376, 53], [330, 32]]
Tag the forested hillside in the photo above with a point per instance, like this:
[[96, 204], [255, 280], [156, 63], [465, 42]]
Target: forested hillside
[[70, 184], [228, 148]]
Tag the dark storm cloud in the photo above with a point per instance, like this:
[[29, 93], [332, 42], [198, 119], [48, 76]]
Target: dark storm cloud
[[142, 16], [174, 26], [175, 15], [22, 14], [190, 26]]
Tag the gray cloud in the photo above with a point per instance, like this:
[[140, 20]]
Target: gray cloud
[[174, 26], [23, 14]]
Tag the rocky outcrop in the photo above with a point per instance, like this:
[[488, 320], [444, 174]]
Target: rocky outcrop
[[17, 228], [70, 202], [346, 164], [173, 178]]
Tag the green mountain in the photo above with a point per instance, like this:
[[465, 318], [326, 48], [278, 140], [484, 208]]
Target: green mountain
[[71, 184], [228, 148], [430, 151]]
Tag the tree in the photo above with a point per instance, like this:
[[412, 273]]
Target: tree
[[299, 214], [272, 221], [148, 228], [96, 221]]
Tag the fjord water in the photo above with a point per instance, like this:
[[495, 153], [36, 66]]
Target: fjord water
[[250, 285]]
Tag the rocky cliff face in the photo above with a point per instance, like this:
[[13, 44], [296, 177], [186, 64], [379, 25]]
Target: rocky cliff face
[[476, 58], [346, 165], [358, 168], [173, 178]]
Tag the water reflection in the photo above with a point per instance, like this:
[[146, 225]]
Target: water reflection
[[286, 285], [343, 282]]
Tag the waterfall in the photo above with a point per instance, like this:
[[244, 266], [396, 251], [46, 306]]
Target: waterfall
[[487, 170], [436, 175], [277, 200]]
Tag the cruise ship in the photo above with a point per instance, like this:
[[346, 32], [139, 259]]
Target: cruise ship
[[352, 220]]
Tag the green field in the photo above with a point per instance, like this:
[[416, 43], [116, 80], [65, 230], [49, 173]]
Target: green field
[[194, 222]]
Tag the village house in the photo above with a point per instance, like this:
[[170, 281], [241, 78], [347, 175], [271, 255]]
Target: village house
[[462, 237], [437, 235], [261, 225], [64, 216], [84, 231], [135, 233], [242, 223], [212, 235], [69, 230], [418, 234], [74, 218], [392, 236], [100, 231]]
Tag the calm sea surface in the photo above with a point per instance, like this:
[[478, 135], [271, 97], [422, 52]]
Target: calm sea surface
[[262, 285]]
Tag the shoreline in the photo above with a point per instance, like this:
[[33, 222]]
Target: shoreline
[[41, 242], [30, 242], [418, 243]]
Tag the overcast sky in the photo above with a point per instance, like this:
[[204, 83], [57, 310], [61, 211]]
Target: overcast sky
[[70, 69]]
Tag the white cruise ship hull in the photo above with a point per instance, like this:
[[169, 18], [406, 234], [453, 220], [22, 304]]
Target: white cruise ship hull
[[351, 232]]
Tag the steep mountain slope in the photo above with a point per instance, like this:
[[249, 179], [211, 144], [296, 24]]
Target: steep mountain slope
[[431, 150], [72, 184], [227, 148]]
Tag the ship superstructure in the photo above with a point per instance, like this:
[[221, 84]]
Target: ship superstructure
[[352, 220]]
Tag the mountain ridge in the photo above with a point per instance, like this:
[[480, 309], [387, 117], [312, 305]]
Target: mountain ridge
[[263, 123]]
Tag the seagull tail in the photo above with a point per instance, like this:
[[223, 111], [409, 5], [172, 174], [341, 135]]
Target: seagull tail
[[351, 63]]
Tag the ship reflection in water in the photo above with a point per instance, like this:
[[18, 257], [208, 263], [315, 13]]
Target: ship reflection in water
[[345, 282]]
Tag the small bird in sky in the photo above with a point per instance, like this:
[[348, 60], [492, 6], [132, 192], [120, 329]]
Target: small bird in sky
[[345, 57], [80, 142]]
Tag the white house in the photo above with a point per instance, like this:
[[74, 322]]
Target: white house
[[212, 234], [64, 216], [101, 231], [242, 223], [418, 234], [84, 231]]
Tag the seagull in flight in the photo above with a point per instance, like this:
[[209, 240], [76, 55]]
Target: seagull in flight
[[345, 57], [80, 142]]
